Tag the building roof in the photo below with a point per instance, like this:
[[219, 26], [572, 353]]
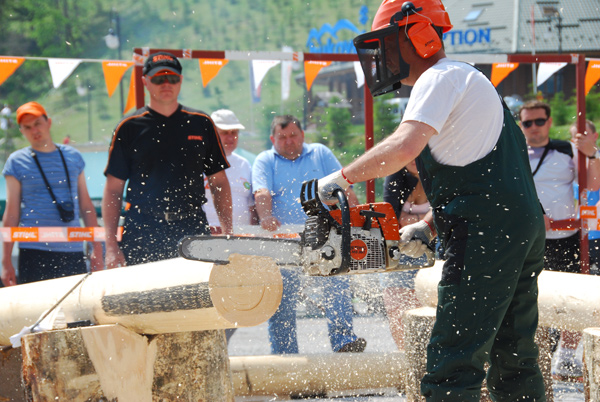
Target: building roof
[[505, 26]]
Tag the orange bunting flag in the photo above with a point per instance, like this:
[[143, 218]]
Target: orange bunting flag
[[592, 75], [131, 95], [8, 65], [209, 68], [113, 73], [311, 70], [501, 70]]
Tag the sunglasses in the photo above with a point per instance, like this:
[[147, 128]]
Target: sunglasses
[[161, 79], [538, 122]]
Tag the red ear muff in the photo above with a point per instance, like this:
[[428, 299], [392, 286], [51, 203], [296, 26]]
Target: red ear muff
[[425, 39]]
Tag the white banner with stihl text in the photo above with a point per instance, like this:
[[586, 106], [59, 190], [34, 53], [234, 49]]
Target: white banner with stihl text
[[589, 215], [54, 234]]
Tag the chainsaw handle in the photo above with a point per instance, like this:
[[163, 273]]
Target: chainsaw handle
[[346, 233]]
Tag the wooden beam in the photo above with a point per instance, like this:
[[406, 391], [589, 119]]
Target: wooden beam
[[316, 374], [566, 301], [160, 297]]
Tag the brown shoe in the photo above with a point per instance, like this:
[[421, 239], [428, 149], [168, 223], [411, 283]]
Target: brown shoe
[[356, 346]]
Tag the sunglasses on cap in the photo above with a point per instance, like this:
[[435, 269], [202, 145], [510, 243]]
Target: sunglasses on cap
[[538, 122], [161, 79]]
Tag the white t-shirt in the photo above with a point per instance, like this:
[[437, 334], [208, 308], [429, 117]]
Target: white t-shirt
[[238, 175], [462, 105], [554, 185]]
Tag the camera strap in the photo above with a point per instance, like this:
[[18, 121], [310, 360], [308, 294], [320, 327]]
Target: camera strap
[[37, 162]]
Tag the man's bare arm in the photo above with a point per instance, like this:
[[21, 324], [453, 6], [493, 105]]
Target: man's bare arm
[[221, 191], [264, 209], [111, 211], [392, 154]]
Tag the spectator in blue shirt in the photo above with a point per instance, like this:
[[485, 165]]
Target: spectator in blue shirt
[[277, 177]]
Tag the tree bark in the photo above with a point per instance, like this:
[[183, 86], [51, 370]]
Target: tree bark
[[117, 364]]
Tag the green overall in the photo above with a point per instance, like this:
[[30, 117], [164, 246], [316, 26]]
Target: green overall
[[490, 223]]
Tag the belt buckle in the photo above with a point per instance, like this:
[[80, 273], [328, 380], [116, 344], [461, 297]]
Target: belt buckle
[[172, 216]]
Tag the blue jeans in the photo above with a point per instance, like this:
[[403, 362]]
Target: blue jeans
[[338, 310]]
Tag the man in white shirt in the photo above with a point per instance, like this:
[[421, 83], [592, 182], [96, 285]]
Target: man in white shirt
[[473, 164], [239, 175], [554, 166]]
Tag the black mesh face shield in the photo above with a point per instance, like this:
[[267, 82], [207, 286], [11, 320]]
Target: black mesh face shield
[[381, 60]]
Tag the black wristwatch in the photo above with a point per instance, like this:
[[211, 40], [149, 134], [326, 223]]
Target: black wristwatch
[[595, 156]]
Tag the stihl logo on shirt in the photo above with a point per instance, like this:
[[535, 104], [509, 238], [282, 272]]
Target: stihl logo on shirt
[[195, 137], [79, 234], [25, 234], [358, 249]]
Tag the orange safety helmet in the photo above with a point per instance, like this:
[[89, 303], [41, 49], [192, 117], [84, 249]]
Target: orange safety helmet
[[422, 15], [433, 12], [378, 50]]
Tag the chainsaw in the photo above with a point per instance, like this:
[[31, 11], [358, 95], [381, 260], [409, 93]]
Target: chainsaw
[[335, 240]]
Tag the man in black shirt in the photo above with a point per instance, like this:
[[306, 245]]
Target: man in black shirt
[[163, 150]]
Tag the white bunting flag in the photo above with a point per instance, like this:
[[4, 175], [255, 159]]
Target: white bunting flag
[[360, 75], [547, 70], [286, 74], [60, 69], [260, 68]]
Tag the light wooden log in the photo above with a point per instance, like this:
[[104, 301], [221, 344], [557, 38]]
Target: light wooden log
[[116, 364], [316, 375], [160, 297], [591, 372], [566, 301]]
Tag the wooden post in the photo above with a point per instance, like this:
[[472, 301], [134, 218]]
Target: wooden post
[[418, 324], [11, 389], [116, 364], [591, 368], [544, 342], [159, 297]]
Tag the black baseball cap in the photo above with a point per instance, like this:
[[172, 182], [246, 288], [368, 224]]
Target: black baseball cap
[[161, 61]]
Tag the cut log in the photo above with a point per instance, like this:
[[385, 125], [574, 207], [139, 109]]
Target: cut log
[[418, 324], [591, 372], [11, 389], [160, 297], [315, 375], [116, 364]]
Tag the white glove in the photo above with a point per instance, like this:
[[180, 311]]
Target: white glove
[[414, 239], [328, 184]]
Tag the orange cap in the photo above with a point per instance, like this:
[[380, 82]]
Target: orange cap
[[32, 108]]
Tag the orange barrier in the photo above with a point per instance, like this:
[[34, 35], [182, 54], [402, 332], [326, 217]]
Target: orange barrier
[[54, 234]]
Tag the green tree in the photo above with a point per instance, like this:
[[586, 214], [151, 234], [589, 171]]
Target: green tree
[[337, 119], [384, 120]]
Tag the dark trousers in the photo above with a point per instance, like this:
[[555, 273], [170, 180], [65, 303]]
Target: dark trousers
[[39, 265], [147, 238], [563, 254], [487, 312]]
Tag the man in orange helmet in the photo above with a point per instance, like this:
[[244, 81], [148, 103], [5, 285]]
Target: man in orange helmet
[[474, 168]]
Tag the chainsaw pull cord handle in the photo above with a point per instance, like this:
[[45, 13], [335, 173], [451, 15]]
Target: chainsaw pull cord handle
[[346, 233]]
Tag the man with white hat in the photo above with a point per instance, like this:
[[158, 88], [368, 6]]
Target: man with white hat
[[243, 212]]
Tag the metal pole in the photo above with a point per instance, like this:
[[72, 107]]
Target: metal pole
[[89, 105], [118, 25]]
